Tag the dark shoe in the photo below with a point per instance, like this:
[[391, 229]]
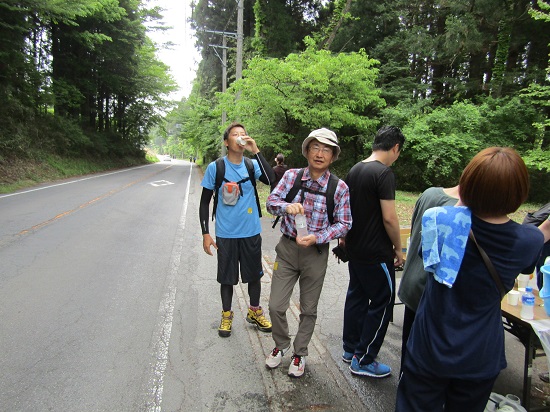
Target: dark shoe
[[544, 377]]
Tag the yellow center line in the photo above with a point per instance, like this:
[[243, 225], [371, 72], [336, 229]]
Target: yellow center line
[[84, 205]]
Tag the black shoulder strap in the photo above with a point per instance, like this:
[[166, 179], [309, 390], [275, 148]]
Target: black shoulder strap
[[329, 194], [220, 174], [296, 186], [331, 190], [490, 266], [250, 168]]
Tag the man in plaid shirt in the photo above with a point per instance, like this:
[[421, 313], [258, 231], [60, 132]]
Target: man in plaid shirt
[[304, 259]]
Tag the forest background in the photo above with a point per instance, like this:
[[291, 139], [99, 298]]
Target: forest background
[[79, 80], [455, 76]]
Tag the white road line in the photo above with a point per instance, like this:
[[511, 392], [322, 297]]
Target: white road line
[[161, 183], [72, 181], [161, 335]]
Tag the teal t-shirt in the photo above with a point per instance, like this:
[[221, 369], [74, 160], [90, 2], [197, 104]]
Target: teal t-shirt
[[241, 220]]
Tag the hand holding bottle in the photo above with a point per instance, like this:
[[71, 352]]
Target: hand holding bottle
[[301, 225]]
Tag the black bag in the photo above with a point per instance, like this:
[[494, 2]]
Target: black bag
[[536, 218], [340, 252]]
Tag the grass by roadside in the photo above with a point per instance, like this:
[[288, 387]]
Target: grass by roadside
[[404, 204], [18, 173]]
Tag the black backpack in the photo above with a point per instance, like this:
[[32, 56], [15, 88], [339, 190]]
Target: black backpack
[[329, 194], [536, 218], [220, 178]]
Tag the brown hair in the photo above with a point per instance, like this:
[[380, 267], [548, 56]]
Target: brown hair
[[495, 182]]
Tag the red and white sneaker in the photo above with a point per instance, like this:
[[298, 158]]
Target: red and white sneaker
[[275, 358], [297, 366]]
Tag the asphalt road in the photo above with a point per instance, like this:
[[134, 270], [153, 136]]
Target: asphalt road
[[108, 303]]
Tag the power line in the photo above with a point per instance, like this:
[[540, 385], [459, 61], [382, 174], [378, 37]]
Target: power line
[[230, 17]]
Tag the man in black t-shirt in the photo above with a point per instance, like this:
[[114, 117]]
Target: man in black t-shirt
[[373, 245]]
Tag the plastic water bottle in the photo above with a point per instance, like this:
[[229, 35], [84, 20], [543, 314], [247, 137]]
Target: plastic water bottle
[[301, 225], [528, 304]]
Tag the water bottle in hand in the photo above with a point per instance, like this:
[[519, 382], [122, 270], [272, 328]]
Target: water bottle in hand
[[528, 304], [301, 225]]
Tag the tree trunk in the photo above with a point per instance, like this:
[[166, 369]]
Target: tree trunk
[[337, 25]]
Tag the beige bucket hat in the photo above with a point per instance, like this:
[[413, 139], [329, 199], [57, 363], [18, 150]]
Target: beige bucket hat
[[325, 136]]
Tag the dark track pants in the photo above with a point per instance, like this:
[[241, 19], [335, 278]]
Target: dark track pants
[[368, 308], [418, 393]]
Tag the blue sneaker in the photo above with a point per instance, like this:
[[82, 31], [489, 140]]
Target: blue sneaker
[[374, 369], [347, 356]]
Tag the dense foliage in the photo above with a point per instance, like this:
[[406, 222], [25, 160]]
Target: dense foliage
[[292, 96], [81, 77], [78, 77], [455, 76]]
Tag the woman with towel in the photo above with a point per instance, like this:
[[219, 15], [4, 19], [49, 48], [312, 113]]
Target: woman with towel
[[456, 347]]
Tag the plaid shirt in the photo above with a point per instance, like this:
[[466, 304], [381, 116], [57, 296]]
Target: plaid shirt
[[315, 206]]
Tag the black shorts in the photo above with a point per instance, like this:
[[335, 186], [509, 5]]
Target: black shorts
[[246, 251]]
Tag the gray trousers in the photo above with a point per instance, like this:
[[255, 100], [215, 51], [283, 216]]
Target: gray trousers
[[308, 267]]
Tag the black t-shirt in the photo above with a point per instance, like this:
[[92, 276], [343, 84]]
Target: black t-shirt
[[367, 241]]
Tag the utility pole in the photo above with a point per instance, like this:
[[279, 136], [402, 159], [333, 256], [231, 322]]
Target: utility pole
[[239, 63], [223, 60], [224, 85], [224, 73]]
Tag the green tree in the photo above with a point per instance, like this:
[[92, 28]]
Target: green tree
[[538, 92], [281, 26], [282, 100], [199, 125], [87, 61], [538, 95], [271, 28], [447, 50], [438, 145], [442, 140]]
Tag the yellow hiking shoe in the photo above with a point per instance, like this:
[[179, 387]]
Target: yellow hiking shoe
[[225, 325], [257, 318]]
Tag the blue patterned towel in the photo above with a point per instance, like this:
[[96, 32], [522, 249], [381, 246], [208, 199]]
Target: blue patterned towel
[[444, 235]]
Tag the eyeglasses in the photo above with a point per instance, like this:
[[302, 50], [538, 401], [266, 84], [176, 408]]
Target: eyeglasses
[[324, 150]]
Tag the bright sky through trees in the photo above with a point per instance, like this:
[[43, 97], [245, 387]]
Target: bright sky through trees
[[182, 57]]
